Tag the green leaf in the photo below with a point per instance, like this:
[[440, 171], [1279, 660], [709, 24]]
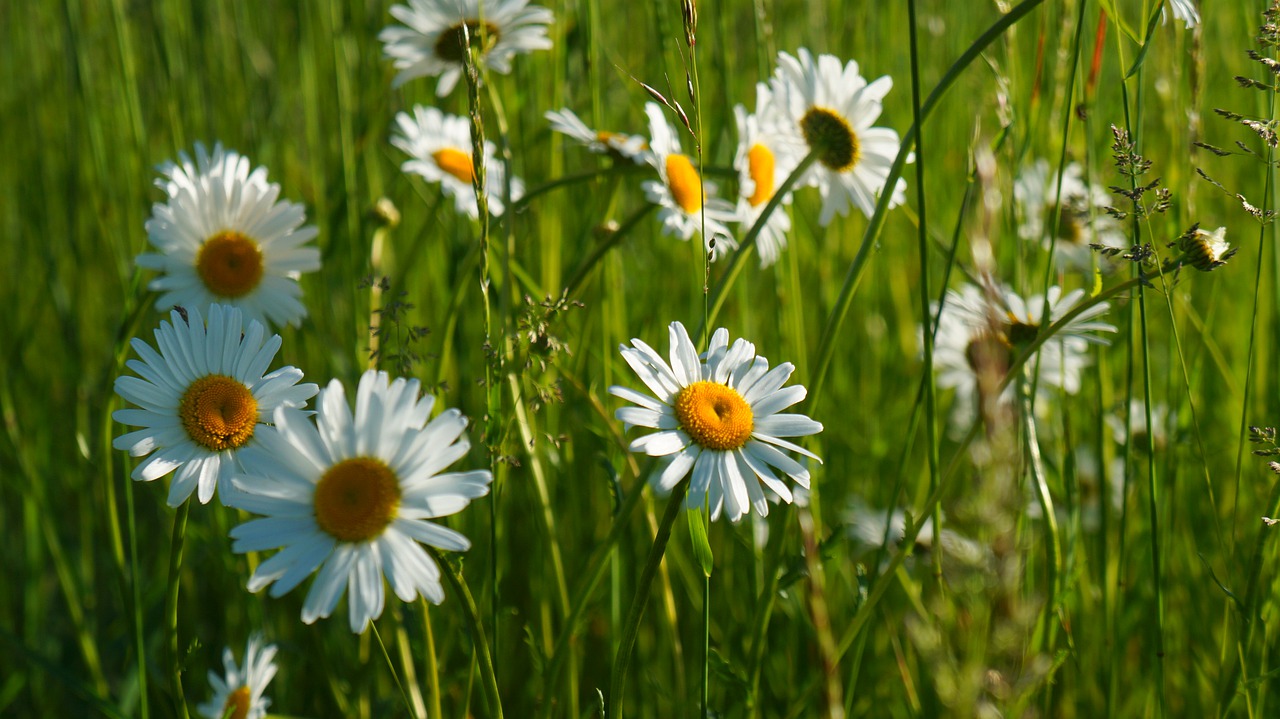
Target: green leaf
[[698, 537]]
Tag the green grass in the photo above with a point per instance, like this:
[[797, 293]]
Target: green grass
[[94, 94]]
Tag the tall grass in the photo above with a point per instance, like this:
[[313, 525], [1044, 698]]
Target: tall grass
[[1163, 604]]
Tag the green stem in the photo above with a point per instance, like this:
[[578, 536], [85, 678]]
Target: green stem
[[835, 321], [174, 659], [739, 258], [483, 658], [632, 627], [432, 670]]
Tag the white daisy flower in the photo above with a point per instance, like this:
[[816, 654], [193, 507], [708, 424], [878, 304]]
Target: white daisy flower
[[1184, 10], [1076, 212], [431, 42], [202, 399], [717, 416], [762, 169], [685, 203], [1206, 251], [825, 106], [977, 335], [440, 146], [223, 237], [1161, 418], [351, 496], [239, 694], [601, 142]]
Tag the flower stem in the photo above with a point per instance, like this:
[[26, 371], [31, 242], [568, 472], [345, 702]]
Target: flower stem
[[483, 658], [632, 626], [171, 608]]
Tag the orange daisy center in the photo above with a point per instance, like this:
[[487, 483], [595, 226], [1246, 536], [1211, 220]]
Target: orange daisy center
[[714, 415], [356, 499], [230, 264], [218, 412], [686, 186]]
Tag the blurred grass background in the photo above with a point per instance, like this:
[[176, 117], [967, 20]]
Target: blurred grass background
[[94, 94]]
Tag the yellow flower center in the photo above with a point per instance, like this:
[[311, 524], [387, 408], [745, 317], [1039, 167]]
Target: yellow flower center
[[449, 46], [1019, 332], [686, 186], [714, 415], [237, 704], [356, 499], [831, 136], [1071, 225], [760, 167], [218, 412], [455, 162], [230, 264]]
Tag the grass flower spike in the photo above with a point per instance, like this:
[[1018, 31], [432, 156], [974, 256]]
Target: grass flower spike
[[223, 236], [762, 169], [239, 694], [615, 144], [202, 399], [685, 203], [823, 106], [717, 417], [351, 496], [431, 40], [440, 148]]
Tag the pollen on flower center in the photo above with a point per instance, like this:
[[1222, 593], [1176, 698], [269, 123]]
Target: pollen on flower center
[[831, 136], [714, 415], [218, 412], [356, 499], [455, 162], [449, 46], [230, 264], [237, 704], [686, 186], [760, 166]]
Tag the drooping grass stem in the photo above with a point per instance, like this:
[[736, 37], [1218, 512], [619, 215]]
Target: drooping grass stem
[[483, 658]]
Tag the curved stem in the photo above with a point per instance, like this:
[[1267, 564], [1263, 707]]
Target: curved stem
[[171, 607], [632, 627], [740, 256], [589, 263], [854, 276], [567, 180], [483, 658]]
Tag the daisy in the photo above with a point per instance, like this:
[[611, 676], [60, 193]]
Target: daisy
[[440, 146], [223, 237], [351, 496], [433, 41], [202, 399], [1184, 10], [239, 695], [762, 169], [687, 205], [1206, 251], [979, 335], [823, 106], [614, 144], [1075, 212], [717, 416]]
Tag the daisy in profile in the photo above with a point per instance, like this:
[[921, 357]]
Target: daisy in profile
[[239, 694], [686, 204], [224, 236], [1075, 214], [351, 496], [1184, 10], [980, 336], [762, 169], [439, 146], [823, 106], [202, 399], [615, 144], [1206, 251], [434, 33], [717, 417]]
